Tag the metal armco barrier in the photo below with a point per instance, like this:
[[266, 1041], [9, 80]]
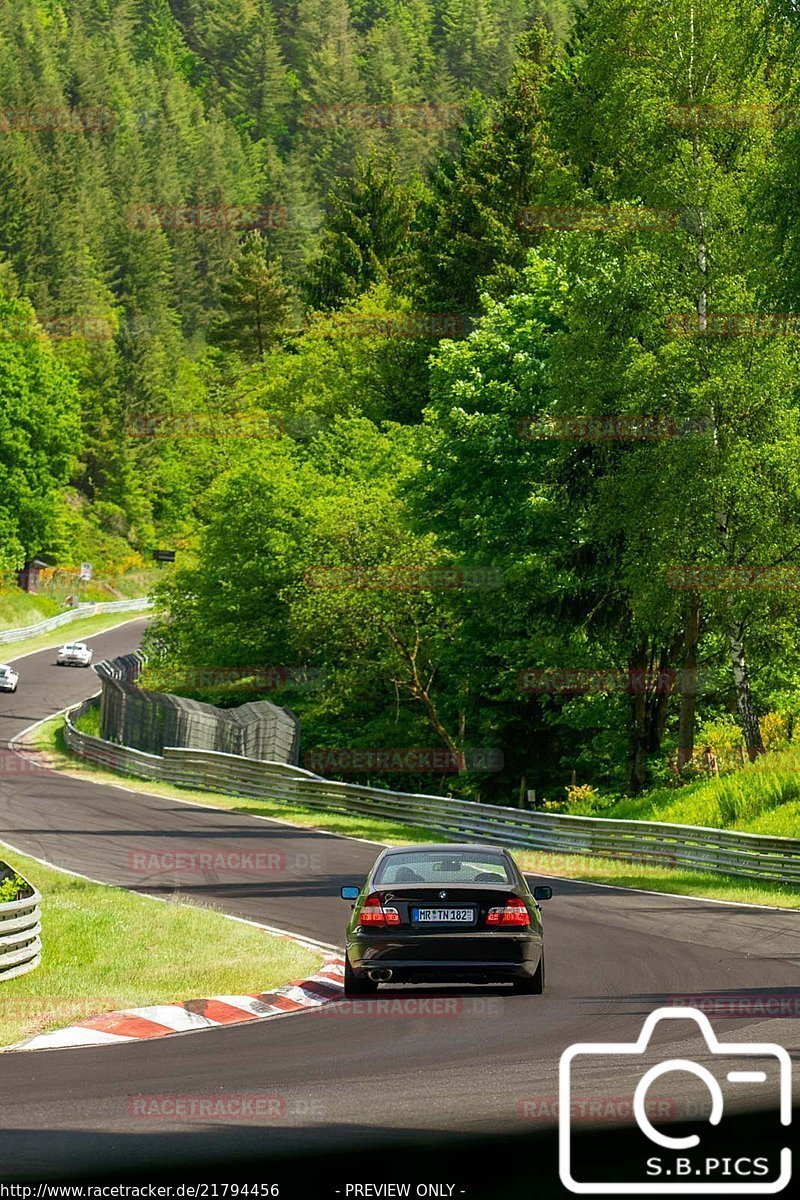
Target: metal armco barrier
[[73, 614], [20, 932], [716, 851]]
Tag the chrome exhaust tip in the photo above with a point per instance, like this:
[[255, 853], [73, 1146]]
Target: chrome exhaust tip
[[381, 976]]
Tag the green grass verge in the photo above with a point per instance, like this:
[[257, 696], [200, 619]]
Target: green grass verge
[[73, 632], [49, 737], [107, 948], [762, 797], [89, 722], [18, 608]]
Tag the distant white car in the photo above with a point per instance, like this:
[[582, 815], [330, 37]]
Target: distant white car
[[9, 678], [74, 654]]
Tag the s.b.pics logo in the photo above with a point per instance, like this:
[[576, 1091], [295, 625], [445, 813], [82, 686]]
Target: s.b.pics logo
[[690, 1151]]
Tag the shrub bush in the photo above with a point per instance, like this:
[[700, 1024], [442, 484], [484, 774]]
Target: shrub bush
[[12, 888]]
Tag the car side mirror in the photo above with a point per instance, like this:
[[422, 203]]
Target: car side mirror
[[543, 893], [351, 893]]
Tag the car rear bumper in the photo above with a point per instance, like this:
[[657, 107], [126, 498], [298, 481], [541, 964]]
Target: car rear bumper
[[459, 957]]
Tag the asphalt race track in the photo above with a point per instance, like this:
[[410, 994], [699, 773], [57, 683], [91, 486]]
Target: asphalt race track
[[345, 1077]]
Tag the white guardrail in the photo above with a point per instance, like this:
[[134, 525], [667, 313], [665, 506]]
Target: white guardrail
[[20, 931], [73, 614], [716, 851]]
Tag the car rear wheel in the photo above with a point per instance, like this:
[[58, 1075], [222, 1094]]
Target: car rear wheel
[[357, 985], [535, 985]]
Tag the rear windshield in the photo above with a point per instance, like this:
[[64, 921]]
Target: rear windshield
[[434, 866]]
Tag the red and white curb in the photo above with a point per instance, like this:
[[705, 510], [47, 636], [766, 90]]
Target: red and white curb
[[160, 1020]]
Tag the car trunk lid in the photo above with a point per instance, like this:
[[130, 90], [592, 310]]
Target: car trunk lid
[[431, 907]]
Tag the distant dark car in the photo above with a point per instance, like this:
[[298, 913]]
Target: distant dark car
[[444, 914]]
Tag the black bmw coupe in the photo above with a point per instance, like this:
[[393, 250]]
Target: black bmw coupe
[[444, 914]]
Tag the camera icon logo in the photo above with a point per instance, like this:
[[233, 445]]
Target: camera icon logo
[[684, 1164]]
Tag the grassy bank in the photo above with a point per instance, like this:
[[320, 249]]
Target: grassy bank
[[762, 797], [18, 608], [48, 737], [107, 948]]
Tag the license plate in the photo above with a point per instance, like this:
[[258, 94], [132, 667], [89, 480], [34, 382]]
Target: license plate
[[450, 915]]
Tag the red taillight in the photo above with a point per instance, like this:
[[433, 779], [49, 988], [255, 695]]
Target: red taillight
[[514, 913], [373, 913]]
